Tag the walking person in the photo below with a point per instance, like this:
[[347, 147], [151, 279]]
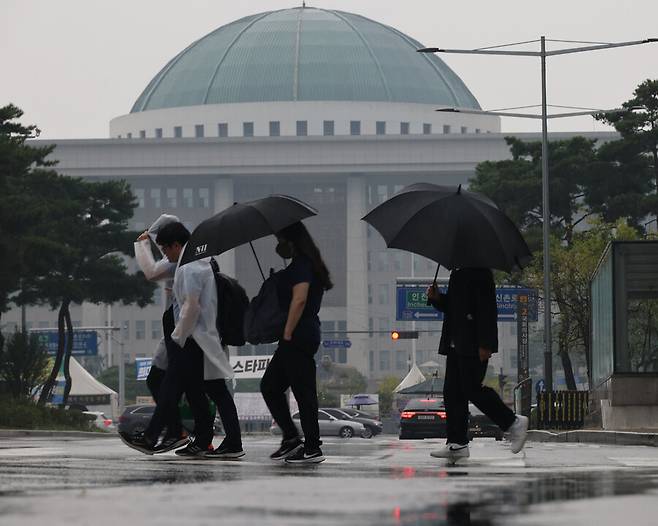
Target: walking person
[[301, 287], [468, 339]]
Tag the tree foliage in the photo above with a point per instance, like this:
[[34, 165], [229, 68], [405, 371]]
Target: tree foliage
[[23, 364]]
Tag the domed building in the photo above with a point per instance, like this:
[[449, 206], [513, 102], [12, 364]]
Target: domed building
[[330, 107], [298, 72]]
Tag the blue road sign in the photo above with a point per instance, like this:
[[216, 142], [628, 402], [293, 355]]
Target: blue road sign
[[143, 367], [336, 344], [85, 343], [411, 304]]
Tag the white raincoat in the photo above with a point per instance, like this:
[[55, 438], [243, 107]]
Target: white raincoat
[[195, 314], [162, 270]]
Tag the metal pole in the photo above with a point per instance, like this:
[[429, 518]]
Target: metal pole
[[546, 216], [413, 323], [122, 378]]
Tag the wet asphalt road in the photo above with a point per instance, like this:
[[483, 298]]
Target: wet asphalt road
[[383, 481]]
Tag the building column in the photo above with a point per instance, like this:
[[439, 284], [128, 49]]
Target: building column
[[357, 275], [223, 198]]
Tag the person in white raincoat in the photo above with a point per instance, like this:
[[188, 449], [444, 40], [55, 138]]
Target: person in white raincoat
[[195, 352]]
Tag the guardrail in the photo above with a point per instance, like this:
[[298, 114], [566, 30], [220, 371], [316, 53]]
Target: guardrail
[[561, 409]]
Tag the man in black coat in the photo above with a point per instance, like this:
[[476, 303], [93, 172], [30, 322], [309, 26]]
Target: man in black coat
[[468, 339]]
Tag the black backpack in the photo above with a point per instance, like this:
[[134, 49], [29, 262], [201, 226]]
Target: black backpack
[[264, 320], [232, 303]]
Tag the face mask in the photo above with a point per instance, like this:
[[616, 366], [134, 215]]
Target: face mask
[[284, 249]]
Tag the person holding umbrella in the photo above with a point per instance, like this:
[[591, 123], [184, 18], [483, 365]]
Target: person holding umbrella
[[301, 287], [468, 339], [466, 232]]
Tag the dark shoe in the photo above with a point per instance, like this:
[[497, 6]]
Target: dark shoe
[[303, 456], [139, 442], [193, 450], [169, 443], [226, 452], [288, 447]]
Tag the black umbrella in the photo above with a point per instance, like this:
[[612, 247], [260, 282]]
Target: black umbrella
[[243, 223], [454, 227]]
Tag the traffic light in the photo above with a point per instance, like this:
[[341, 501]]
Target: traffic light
[[404, 335]]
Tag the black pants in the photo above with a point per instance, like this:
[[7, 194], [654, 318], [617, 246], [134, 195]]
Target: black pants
[[154, 383], [293, 368], [180, 377], [217, 391], [463, 382]]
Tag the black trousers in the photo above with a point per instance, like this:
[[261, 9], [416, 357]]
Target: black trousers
[[218, 392], [154, 382], [463, 383], [293, 368], [180, 377]]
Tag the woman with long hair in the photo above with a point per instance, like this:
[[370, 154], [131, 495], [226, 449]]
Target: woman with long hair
[[301, 286]]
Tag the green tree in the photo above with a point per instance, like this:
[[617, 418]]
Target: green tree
[[134, 387], [637, 122], [23, 364], [386, 394], [90, 236]]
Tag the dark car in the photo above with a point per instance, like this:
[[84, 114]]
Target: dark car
[[373, 427], [136, 418], [423, 418], [479, 425]]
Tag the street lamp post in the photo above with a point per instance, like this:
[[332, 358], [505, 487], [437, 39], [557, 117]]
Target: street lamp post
[[542, 54]]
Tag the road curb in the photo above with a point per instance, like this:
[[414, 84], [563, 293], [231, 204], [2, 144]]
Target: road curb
[[592, 436], [8, 433]]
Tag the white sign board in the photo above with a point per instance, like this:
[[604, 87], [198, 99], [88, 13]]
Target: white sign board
[[245, 367]]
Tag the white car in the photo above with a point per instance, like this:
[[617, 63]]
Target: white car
[[329, 426], [100, 420]]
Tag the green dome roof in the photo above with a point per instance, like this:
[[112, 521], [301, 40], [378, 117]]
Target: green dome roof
[[304, 54]]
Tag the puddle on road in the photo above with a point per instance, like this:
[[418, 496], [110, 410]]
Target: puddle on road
[[494, 504]]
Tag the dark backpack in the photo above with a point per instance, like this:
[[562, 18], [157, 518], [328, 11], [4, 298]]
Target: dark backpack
[[232, 303], [264, 320]]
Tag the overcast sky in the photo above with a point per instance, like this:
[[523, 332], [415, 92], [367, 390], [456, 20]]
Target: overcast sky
[[72, 65]]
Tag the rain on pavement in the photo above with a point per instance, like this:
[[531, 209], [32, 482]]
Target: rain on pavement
[[382, 481]]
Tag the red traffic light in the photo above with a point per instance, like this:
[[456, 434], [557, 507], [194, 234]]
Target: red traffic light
[[404, 335]]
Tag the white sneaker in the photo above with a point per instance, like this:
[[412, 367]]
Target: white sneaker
[[452, 451], [517, 433]]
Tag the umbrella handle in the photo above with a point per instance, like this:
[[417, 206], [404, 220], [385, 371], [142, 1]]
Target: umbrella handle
[[436, 273], [257, 261]]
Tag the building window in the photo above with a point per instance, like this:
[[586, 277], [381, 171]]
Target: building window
[[355, 127], [369, 294], [158, 133], [222, 129], [156, 195], [371, 360], [140, 329], [328, 127], [382, 193], [204, 197], [383, 327], [382, 261], [404, 128], [199, 131], [142, 134], [125, 330], [380, 127], [172, 197], [382, 294], [275, 128], [248, 129], [427, 129], [371, 326], [446, 128], [157, 296], [302, 128], [400, 360], [139, 194], [178, 131], [341, 325], [384, 360], [342, 355], [156, 329], [464, 129], [188, 198]]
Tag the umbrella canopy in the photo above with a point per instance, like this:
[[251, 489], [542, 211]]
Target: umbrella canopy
[[454, 227], [361, 399], [244, 222], [414, 376], [431, 386]]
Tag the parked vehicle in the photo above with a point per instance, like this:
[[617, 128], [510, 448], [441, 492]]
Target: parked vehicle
[[100, 420], [329, 426], [423, 418], [373, 426], [479, 425], [135, 419]]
